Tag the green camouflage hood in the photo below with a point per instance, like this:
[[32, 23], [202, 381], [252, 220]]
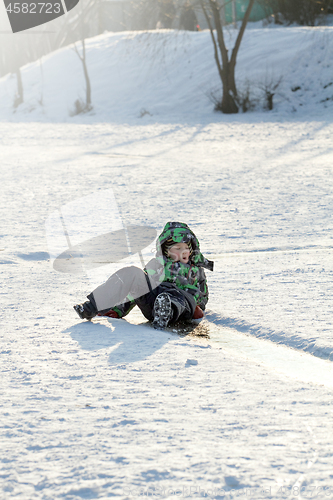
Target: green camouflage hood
[[181, 233]]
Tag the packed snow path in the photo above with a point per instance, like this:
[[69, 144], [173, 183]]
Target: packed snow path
[[84, 417]]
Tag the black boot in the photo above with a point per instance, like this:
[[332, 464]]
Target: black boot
[[86, 310], [162, 311]]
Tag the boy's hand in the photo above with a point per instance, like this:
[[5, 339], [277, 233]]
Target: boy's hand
[[198, 313]]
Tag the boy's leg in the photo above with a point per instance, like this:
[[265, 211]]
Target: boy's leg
[[181, 308], [163, 311], [129, 280], [132, 280]]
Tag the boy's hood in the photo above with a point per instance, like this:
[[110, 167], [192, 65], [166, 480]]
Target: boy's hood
[[181, 233]]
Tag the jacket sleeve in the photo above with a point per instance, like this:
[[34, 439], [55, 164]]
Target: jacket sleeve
[[203, 287], [155, 271]]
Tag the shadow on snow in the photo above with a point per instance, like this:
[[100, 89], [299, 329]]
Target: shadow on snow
[[126, 342]]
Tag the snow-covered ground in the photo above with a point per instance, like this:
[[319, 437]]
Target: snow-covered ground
[[110, 409]]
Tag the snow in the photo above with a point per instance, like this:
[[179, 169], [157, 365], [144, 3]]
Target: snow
[[102, 409], [171, 74]]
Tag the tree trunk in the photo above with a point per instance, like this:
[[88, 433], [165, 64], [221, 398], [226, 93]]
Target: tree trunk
[[88, 87], [228, 104], [86, 76], [100, 8], [19, 97]]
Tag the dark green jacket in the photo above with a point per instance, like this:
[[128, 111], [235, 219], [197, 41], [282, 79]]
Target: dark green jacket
[[186, 277], [189, 277]]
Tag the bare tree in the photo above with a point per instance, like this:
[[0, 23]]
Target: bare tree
[[83, 27], [19, 52], [19, 95], [225, 64], [86, 75]]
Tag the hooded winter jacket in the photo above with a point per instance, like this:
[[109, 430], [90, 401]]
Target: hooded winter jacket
[[190, 277]]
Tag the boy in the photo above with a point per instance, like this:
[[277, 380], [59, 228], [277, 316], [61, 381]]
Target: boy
[[172, 286]]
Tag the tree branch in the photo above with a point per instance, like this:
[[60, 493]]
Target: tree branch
[[216, 54], [241, 33], [219, 31], [78, 53]]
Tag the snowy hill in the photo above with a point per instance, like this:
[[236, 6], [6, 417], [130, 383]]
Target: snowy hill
[[170, 74]]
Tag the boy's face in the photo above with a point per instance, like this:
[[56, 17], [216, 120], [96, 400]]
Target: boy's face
[[179, 252]]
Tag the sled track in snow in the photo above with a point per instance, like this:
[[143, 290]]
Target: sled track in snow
[[295, 342], [256, 251], [241, 339], [295, 357]]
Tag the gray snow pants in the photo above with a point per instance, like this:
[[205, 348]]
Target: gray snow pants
[[134, 282]]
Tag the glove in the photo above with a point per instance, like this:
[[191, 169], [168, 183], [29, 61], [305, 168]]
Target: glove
[[109, 314], [198, 313]]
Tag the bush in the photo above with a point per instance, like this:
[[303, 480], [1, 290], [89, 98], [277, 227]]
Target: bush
[[80, 107]]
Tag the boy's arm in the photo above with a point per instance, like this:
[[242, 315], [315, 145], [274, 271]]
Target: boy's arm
[[118, 311], [123, 309], [203, 287], [155, 270], [154, 264]]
